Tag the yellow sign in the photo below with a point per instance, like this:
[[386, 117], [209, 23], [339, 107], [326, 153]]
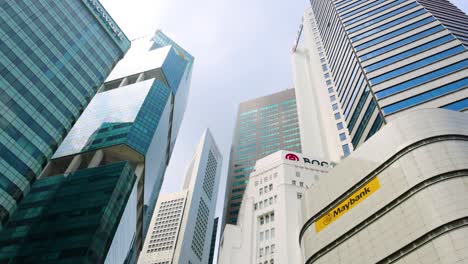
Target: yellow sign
[[347, 204]]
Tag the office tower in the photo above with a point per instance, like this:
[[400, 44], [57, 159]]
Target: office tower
[[264, 125], [54, 55], [181, 228], [399, 198], [320, 115], [388, 58], [214, 235], [93, 199], [270, 217]]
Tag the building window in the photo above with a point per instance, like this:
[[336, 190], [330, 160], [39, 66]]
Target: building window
[[332, 98], [255, 206], [272, 217], [299, 195], [294, 182], [267, 234], [267, 219], [337, 116], [301, 184], [324, 67], [261, 220], [339, 126], [261, 204], [335, 107], [271, 187], [328, 82], [272, 233], [261, 236], [322, 60], [271, 200], [261, 252], [342, 136], [327, 75], [298, 174], [267, 250], [260, 191], [330, 90], [346, 150]]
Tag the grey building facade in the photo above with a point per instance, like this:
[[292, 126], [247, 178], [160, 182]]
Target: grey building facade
[[264, 125], [391, 57]]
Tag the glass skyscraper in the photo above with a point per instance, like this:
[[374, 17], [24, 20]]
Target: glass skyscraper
[[264, 125], [54, 55], [388, 57], [93, 201]]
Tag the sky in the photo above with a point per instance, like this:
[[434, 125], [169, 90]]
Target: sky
[[241, 49]]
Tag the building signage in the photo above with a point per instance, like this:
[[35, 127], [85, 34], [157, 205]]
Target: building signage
[[350, 202], [294, 157], [103, 14]]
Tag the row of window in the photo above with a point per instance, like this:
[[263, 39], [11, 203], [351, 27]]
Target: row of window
[[265, 251], [267, 234], [266, 218], [265, 203]]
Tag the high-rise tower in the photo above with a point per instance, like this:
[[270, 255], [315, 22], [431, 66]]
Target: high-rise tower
[[181, 229], [389, 57], [320, 115], [54, 55], [264, 125], [93, 201]]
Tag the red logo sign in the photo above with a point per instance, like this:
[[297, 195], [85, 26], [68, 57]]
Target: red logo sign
[[291, 156]]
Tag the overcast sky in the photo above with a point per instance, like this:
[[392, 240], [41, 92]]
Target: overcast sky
[[241, 50]]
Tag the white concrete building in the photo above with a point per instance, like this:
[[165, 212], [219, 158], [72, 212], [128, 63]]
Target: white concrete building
[[401, 197], [319, 110], [269, 218], [182, 224]]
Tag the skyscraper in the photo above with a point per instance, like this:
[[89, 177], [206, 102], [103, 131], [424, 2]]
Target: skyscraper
[[181, 229], [390, 57], [264, 125], [54, 55], [93, 201], [270, 215], [320, 115]]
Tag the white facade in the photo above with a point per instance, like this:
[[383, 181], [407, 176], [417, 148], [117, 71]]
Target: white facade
[[182, 224], [269, 219], [320, 115], [415, 207]]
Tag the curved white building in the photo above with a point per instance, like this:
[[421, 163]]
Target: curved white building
[[401, 197]]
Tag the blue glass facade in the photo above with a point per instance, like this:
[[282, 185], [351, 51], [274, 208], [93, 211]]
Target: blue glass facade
[[264, 125], [129, 120], [54, 55], [405, 54], [68, 219]]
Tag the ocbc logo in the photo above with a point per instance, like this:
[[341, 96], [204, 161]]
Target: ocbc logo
[[291, 156]]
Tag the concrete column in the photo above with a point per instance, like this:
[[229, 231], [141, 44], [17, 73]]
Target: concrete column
[[46, 170], [74, 164], [140, 77], [123, 82], [139, 170], [96, 159]]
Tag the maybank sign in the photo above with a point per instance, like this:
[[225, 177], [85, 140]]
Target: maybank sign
[[348, 204]]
